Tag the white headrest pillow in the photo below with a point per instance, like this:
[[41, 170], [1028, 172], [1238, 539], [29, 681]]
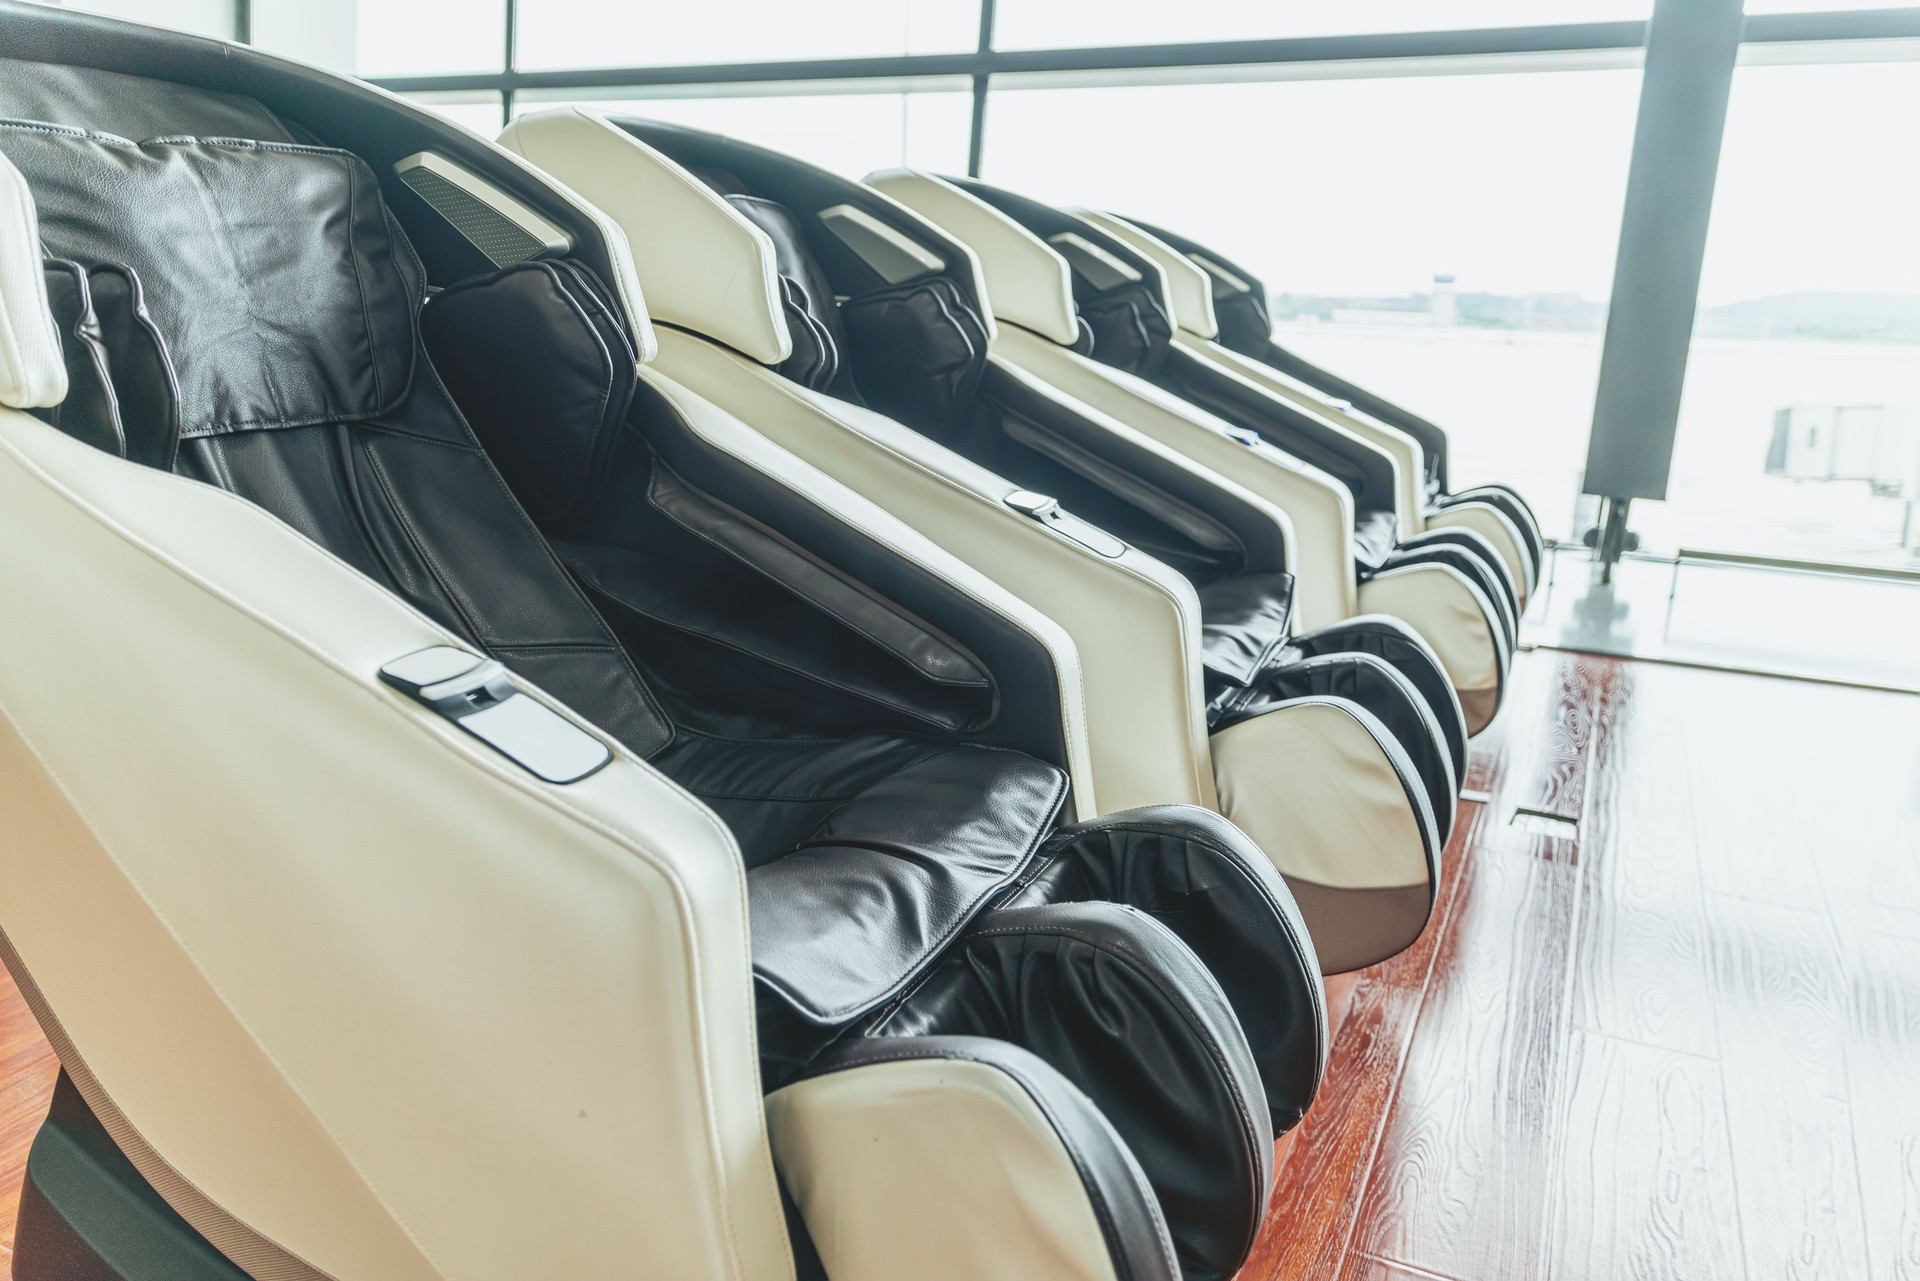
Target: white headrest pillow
[[33, 375]]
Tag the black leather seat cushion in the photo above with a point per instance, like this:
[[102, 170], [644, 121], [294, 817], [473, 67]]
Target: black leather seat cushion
[[1375, 532], [861, 851], [1244, 622]]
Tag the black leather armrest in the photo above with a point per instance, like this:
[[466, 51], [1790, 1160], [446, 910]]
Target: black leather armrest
[[1261, 540], [797, 503]]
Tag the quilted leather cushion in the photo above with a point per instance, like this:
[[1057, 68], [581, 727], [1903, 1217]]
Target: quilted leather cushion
[[866, 857], [204, 224]]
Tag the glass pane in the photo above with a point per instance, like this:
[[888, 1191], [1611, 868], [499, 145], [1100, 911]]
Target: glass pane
[[1821, 6], [481, 112], [1059, 24], [430, 37], [623, 33], [1351, 199], [202, 17], [850, 133], [1800, 426]]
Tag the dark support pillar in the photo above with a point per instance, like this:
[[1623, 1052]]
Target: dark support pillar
[[977, 139], [510, 60], [1656, 282]]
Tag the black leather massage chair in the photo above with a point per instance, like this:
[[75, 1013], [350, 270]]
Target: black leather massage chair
[[1136, 322], [1242, 326], [473, 809], [854, 333], [1061, 289]]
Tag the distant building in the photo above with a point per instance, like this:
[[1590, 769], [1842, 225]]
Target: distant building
[[1444, 304]]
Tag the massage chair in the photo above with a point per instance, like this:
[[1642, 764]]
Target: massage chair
[[1060, 309], [854, 334], [471, 807], [1233, 322], [1123, 288]]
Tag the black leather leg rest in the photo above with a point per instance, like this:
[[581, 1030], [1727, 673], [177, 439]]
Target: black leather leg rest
[[1511, 505], [1480, 571], [1394, 642], [1476, 543], [1125, 1011], [1201, 877], [1375, 685]]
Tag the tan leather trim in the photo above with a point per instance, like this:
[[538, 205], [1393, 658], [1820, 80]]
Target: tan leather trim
[[1362, 927]]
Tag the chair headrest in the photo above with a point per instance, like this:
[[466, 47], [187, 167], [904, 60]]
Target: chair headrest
[[1027, 283], [1189, 291], [701, 264], [33, 373]]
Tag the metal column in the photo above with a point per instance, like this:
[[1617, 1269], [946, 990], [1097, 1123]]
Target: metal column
[[1691, 45]]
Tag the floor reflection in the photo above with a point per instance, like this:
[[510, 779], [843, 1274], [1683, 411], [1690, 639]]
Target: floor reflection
[[1785, 622]]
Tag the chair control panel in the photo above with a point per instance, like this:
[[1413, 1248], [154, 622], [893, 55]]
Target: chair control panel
[[480, 697], [1046, 509]]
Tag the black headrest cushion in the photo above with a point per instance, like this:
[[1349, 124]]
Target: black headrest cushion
[[285, 294]]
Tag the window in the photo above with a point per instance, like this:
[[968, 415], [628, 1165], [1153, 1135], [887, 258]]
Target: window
[[479, 111], [1800, 427], [557, 34], [852, 133], [1060, 24], [1352, 199], [202, 17], [430, 37]]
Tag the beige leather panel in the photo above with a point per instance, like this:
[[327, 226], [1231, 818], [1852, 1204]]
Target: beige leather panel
[[32, 373], [1409, 460], [1319, 507], [700, 262], [1452, 616], [372, 989], [1189, 289], [1311, 786], [896, 1167], [1492, 524], [1028, 283], [1133, 623]]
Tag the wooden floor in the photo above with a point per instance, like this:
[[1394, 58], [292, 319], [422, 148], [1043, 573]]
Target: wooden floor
[[1666, 1023]]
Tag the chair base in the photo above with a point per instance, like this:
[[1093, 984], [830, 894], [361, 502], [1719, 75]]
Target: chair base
[[87, 1215]]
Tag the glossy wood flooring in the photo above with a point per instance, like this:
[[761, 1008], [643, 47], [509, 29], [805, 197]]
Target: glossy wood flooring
[[1681, 1040], [1666, 1023]]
